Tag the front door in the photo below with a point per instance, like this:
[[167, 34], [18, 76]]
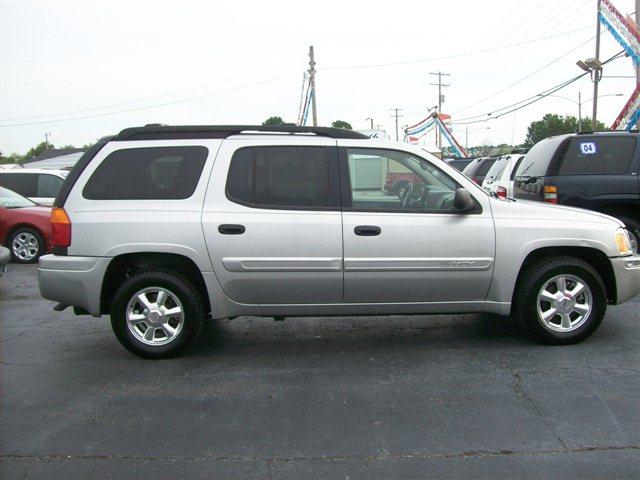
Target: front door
[[412, 246], [272, 221]]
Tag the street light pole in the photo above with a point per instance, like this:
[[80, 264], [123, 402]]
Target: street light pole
[[579, 111], [596, 73]]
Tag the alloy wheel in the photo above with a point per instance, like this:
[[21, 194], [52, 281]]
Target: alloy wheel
[[155, 316], [564, 303]]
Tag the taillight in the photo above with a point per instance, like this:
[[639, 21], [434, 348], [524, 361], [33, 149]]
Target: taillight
[[60, 228], [476, 180], [502, 192], [551, 194]]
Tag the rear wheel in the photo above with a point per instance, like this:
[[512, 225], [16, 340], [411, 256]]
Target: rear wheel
[[26, 245], [157, 314], [560, 300]]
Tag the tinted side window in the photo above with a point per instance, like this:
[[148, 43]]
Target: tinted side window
[[22, 183], [536, 161], [48, 185], [284, 177], [152, 173], [598, 155]]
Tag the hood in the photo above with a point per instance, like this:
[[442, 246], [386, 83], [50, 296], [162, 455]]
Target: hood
[[548, 211]]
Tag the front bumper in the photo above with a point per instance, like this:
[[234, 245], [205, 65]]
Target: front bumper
[[75, 281], [627, 273]]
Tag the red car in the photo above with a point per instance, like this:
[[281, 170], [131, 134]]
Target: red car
[[25, 227]]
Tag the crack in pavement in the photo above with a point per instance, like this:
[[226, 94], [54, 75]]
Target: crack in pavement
[[325, 458], [517, 390]]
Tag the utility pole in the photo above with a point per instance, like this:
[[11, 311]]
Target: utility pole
[[312, 85], [440, 100], [397, 115], [46, 141], [579, 111], [596, 73]]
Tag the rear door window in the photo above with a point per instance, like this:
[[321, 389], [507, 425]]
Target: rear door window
[[150, 173], [22, 183], [48, 185], [515, 167], [598, 155], [484, 168], [288, 177]]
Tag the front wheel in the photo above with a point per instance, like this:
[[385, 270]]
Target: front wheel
[[157, 314], [560, 300]]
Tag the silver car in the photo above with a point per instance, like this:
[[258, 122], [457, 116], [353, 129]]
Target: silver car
[[161, 227]]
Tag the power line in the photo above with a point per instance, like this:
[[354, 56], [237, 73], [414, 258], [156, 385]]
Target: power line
[[155, 97], [524, 78], [530, 100], [466, 54], [146, 107]]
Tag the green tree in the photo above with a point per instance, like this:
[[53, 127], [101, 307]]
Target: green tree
[[552, 124], [37, 150], [13, 158], [273, 121], [342, 124]]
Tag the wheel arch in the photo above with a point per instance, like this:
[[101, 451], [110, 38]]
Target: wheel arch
[[124, 265], [594, 257]]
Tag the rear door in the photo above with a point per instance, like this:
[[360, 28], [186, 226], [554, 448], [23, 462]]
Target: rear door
[[416, 248], [272, 220]]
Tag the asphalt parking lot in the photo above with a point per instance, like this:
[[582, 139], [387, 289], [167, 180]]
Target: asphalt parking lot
[[458, 396]]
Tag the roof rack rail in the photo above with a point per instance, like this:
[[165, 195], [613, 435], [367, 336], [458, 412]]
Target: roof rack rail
[[165, 132]]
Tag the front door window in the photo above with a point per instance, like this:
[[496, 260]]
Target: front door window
[[388, 180]]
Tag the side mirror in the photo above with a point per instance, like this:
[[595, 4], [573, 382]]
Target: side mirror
[[463, 200]]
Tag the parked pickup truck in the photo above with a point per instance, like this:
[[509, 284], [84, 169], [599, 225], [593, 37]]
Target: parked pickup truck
[[161, 227], [598, 171]]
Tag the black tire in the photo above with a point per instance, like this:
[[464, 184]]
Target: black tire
[[525, 309], [633, 226], [28, 231], [178, 285]]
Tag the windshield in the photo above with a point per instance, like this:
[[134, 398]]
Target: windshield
[[10, 199]]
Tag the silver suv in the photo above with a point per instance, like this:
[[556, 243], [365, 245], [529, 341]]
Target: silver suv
[[161, 227]]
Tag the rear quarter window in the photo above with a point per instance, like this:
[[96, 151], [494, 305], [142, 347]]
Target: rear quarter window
[[598, 155], [150, 173]]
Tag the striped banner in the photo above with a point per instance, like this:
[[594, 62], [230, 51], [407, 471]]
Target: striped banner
[[621, 29]]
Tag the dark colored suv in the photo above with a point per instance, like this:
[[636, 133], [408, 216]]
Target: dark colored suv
[[597, 171], [478, 168]]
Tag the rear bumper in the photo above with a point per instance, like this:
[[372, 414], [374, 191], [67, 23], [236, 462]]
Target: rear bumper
[[75, 281], [627, 273]]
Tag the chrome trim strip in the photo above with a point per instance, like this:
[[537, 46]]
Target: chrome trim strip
[[282, 264], [417, 264]]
